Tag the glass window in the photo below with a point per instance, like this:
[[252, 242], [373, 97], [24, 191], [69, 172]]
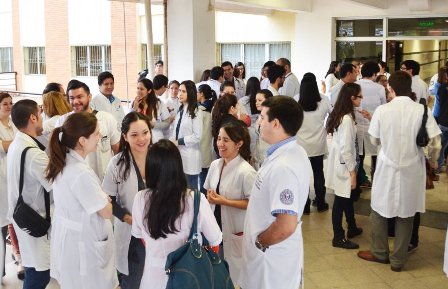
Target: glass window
[[158, 48], [34, 60], [6, 64], [347, 51], [359, 28], [418, 27], [279, 50], [91, 60], [254, 55], [231, 52]]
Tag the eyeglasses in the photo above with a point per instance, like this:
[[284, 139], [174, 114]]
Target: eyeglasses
[[359, 96], [403, 68]]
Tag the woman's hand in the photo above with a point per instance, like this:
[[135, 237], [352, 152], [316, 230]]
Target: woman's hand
[[366, 114], [137, 101], [353, 178], [215, 198], [128, 219]]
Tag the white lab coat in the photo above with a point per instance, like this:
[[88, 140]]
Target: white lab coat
[[281, 185], [237, 180], [312, 135], [342, 158], [420, 88], [82, 241], [7, 133], [172, 104], [191, 131], [162, 115], [291, 85], [374, 95], [398, 188], [330, 81], [240, 87], [35, 252], [99, 160], [245, 102], [206, 144], [154, 275], [48, 127], [335, 92], [124, 191], [101, 102]]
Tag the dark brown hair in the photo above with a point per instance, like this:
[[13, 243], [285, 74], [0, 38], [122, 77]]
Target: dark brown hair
[[343, 106], [237, 132]]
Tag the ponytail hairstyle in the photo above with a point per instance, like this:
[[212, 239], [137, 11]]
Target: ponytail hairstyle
[[77, 125], [343, 106], [167, 189], [221, 108], [151, 99], [125, 158], [209, 95]]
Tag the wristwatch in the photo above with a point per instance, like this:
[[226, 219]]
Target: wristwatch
[[260, 246]]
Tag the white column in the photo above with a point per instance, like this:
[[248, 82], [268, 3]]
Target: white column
[[191, 39]]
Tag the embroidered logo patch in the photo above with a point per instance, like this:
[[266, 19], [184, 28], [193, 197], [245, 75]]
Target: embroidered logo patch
[[286, 197]]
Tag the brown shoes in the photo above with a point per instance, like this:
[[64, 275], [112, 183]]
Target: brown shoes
[[368, 256]]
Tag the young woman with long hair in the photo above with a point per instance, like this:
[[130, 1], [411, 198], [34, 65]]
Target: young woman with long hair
[[343, 163], [312, 135], [229, 184], [332, 76], [148, 104], [187, 132], [81, 233], [125, 176], [163, 213], [259, 152], [206, 100]]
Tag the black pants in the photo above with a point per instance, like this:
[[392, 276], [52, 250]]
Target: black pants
[[342, 206], [317, 164], [4, 233], [136, 264], [362, 172]]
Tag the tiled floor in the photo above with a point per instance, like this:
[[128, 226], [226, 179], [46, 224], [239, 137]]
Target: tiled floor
[[327, 267]]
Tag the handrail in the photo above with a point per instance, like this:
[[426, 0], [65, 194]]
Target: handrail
[[20, 92], [7, 84]]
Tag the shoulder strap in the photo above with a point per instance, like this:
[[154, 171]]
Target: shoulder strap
[[425, 115], [197, 202], [95, 111], [46, 194]]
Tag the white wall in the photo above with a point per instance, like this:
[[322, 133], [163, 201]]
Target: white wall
[[157, 23], [6, 23], [89, 22], [32, 22]]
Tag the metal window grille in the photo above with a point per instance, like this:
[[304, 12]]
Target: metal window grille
[[91, 60], [34, 60], [6, 64], [158, 54], [253, 55]]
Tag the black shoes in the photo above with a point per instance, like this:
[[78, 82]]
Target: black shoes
[[321, 207], [353, 233], [345, 244]]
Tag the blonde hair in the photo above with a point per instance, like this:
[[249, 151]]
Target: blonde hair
[[54, 103]]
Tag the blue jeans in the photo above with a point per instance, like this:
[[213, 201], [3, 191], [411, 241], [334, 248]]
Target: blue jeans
[[444, 137], [136, 264], [36, 279], [192, 182], [202, 177]]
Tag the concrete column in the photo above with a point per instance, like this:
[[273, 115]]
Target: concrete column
[[17, 44], [191, 39], [57, 48]]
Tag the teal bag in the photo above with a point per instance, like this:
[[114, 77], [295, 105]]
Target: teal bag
[[193, 266]]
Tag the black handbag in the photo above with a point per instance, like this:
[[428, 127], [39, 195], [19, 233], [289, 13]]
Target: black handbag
[[422, 138], [26, 217], [195, 266]]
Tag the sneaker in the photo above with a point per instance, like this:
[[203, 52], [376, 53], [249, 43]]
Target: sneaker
[[412, 248], [366, 184], [353, 233], [345, 244]]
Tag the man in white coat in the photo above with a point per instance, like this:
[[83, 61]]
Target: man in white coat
[[419, 87], [35, 252], [348, 75], [105, 100], [398, 188], [272, 243], [79, 96], [291, 85], [240, 86]]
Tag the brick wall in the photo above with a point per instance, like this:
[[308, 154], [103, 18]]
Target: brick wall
[[57, 49], [124, 54]]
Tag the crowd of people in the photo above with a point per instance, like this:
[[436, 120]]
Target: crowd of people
[[121, 185]]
